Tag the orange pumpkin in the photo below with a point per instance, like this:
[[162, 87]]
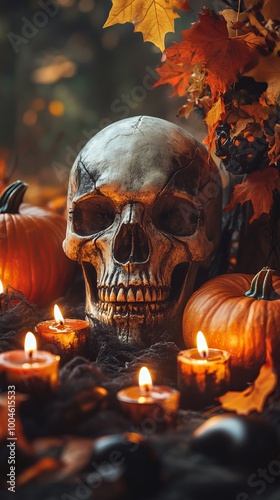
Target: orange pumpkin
[[237, 312], [31, 255]]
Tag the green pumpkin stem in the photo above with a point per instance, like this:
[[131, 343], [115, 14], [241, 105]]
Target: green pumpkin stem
[[262, 287], [12, 197]]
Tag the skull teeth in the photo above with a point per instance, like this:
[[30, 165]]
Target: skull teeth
[[133, 294], [131, 308]]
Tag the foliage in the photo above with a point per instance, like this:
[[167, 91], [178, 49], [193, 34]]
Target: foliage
[[228, 65], [255, 396]]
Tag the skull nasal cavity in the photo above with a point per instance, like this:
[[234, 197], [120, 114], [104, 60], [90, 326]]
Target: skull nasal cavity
[[131, 244]]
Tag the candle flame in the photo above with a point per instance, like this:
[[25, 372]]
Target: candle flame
[[30, 345], [145, 379], [202, 346], [1, 287], [57, 315]]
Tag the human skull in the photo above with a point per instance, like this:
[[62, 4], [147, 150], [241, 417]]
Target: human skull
[[144, 206]]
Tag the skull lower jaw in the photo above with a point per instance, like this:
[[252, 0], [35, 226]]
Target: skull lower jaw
[[141, 323], [146, 322]]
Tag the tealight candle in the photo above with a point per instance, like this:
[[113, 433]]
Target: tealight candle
[[67, 336], [203, 374], [146, 401], [29, 370]]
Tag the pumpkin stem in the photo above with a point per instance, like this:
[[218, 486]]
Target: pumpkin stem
[[262, 287], [12, 197]]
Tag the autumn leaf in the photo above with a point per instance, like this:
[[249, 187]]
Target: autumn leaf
[[271, 10], [268, 70], [258, 188], [274, 152], [223, 57], [215, 113], [235, 21], [254, 397], [175, 74], [153, 18], [212, 118]]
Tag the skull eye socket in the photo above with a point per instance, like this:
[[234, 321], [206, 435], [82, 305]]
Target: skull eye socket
[[93, 215], [175, 216]]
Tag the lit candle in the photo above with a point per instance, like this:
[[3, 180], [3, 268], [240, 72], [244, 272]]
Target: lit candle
[[203, 374], [146, 401], [29, 370], [68, 336]]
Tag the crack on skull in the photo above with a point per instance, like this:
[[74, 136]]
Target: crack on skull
[[137, 126], [91, 176], [176, 171]]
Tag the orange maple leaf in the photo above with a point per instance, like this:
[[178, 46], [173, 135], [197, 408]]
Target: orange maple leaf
[[222, 56], [258, 188], [254, 397], [177, 75], [153, 18]]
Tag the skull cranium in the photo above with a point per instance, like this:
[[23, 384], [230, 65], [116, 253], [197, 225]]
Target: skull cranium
[[144, 207]]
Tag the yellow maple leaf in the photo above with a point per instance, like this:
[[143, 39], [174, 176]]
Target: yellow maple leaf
[[254, 397], [153, 18]]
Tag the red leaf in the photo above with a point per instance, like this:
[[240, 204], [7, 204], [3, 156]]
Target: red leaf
[[258, 188], [176, 74], [182, 5], [208, 43], [223, 57]]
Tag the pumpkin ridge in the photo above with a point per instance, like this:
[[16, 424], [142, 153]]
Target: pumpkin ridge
[[40, 253]]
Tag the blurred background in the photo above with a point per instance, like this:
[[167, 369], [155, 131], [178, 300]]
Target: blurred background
[[63, 78]]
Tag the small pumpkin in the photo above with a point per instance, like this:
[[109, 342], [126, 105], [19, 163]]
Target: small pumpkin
[[237, 312], [31, 255]]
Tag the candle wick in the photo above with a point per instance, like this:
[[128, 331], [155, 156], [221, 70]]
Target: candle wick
[[146, 388], [61, 322], [204, 354], [30, 355]]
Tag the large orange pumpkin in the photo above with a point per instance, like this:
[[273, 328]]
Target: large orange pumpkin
[[237, 312], [31, 255]]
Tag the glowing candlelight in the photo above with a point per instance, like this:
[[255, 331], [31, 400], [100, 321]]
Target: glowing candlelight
[[1, 287], [58, 315], [145, 400], [145, 380], [30, 371], [202, 346], [30, 346], [203, 374], [67, 336]]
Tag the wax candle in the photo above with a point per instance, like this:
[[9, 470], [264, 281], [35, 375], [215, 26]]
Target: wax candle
[[146, 401], [203, 374], [68, 337], [29, 370]]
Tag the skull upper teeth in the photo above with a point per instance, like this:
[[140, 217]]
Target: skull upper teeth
[[132, 294]]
